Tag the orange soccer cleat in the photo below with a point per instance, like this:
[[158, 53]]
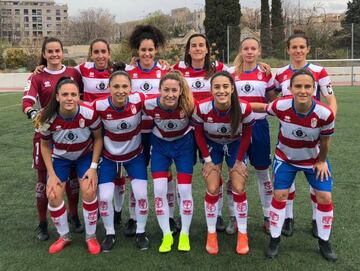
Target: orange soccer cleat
[[242, 246], [212, 244], [93, 246], [59, 245]]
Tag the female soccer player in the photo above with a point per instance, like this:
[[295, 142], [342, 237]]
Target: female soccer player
[[39, 88], [70, 137], [303, 144], [172, 141], [298, 47], [221, 122], [121, 117], [254, 85]]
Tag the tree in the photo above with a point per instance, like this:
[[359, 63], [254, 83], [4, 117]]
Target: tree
[[91, 24], [265, 35], [277, 29], [3, 46], [352, 16], [219, 14]]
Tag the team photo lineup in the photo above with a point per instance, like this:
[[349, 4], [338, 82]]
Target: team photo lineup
[[102, 124]]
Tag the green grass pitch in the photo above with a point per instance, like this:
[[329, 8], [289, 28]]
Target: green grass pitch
[[19, 249]]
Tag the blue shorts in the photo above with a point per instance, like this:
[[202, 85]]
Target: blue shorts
[[135, 169], [259, 149], [284, 175], [218, 151], [63, 167], [145, 141], [180, 151]]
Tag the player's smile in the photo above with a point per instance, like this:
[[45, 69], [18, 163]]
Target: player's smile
[[221, 90], [120, 88], [170, 93], [100, 55]]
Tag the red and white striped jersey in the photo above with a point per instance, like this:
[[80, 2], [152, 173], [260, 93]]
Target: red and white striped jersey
[[216, 124], [122, 138], [299, 135], [39, 87], [71, 138], [252, 86], [322, 80], [199, 86], [168, 124], [96, 82]]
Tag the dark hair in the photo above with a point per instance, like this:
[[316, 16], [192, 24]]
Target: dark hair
[[186, 99], [118, 73], [302, 72], [47, 40], [146, 32], [95, 41], [53, 105], [209, 66], [298, 34], [235, 112]]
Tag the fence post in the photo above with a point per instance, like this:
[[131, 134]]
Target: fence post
[[352, 55], [228, 44]]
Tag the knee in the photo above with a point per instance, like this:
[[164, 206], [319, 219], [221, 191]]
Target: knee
[[281, 195], [238, 186], [106, 192], [323, 197], [213, 189], [88, 195], [160, 189]]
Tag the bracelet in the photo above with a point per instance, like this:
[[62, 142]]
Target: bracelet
[[207, 159], [94, 165]]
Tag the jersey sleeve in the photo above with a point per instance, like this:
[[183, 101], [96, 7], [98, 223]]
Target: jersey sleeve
[[328, 126], [95, 121], [271, 108], [325, 83], [270, 84], [277, 83], [248, 118], [198, 123], [30, 93]]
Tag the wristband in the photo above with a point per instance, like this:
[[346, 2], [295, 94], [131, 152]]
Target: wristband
[[94, 165], [207, 159], [31, 113]]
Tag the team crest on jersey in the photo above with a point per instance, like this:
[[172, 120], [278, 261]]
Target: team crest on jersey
[[182, 114], [259, 76], [71, 136], [313, 122], [210, 120], [198, 84], [285, 77], [81, 123], [101, 86], [157, 116], [299, 133], [133, 109], [135, 75], [158, 74], [247, 88], [123, 125], [109, 117], [187, 74], [27, 85], [91, 74], [47, 84], [170, 125], [223, 130], [287, 119], [58, 127], [146, 86]]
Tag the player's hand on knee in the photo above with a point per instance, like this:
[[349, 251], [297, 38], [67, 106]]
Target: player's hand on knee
[[91, 178], [322, 171], [240, 168], [52, 185], [208, 167]]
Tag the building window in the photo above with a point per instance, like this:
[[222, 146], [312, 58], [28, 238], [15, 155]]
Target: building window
[[57, 12], [26, 11], [17, 11], [48, 18], [58, 18], [26, 19], [48, 11]]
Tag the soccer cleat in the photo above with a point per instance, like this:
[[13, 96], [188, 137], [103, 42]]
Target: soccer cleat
[[326, 250], [75, 224], [266, 225], [42, 231], [93, 246], [273, 249], [314, 229], [220, 226], [130, 229], [288, 227], [166, 244], [242, 246], [212, 244], [117, 218], [59, 245], [184, 242], [108, 242], [173, 226], [142, 241], [231, 227]]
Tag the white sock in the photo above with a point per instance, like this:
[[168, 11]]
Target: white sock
[[186, 206], [221, 198], [90, 210], [265, 189], [290, 202], [119, 193], [171, 187], [60, 219], [229, 198], [277, 217], [139, 188], [211, 211], [241, 211], [324, 218], [132, 204], [161, 204], [106, 196]]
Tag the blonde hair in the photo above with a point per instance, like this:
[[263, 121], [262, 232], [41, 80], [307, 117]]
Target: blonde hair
[[239, 61], [186, 99]]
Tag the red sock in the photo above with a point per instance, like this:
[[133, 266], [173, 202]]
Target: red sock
[[41, 199], [72, 192]]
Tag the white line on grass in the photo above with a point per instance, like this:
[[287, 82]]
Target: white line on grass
[[10, 106]]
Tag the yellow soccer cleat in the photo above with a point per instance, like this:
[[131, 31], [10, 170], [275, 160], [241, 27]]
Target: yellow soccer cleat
[[166, 244], [184, 242]]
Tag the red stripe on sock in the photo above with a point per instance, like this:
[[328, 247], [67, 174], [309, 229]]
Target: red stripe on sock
[[157, 175], [325, 207], [221, 181], [211, 198], [170, 177], [58, 213], [90, 207], [120, 181], [184, 178], [239, 198], [291, 196], [278, 204], [313, 198]]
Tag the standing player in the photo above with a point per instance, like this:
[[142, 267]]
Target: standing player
[[221, 122], [121, 117], [172, 140], [197, 69], [254, 85], [303, 144], [70, 137], [298, 48], [38, 89]]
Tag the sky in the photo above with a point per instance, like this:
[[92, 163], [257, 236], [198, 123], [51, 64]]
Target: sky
[[127, 10]]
